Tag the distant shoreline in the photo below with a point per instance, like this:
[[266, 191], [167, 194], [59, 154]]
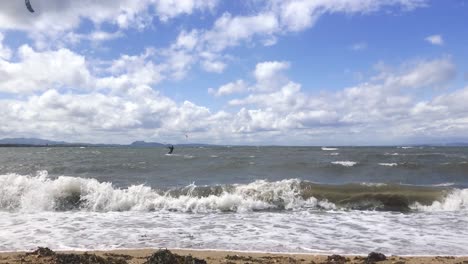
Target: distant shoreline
[[71, 145]]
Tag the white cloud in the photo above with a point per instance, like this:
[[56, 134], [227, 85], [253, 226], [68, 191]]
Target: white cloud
[[53, 19], [103, 35], [187, 40], [230, 30], [38, 71], [171, 8], [359, 46], [421, 74], [229, 88], [373, 111], [269, 75], [435, 40], [64, 95], [213, 66], [298, 15], [276, 18]]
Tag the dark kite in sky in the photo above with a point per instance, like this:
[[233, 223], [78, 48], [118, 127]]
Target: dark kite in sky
[[28, 5]]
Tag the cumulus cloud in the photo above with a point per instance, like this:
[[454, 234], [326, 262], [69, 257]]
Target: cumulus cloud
[[213, 66], [37, 71], [229, 88], [435, 40], [299, 15], [370, 109], [269, 75], [58, 92], [168, 9], [276, 18], [420, 74], [54, 18]]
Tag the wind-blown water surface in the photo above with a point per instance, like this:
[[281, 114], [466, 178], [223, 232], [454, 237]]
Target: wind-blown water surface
[[397, 200]]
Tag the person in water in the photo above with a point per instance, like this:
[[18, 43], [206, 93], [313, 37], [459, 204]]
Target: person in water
[[171, 148]]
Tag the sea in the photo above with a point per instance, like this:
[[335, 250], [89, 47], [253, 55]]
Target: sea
[[321, 200]]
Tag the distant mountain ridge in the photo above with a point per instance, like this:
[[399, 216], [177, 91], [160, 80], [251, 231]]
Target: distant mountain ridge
[[31, 141], [44, 142], [146, 144]]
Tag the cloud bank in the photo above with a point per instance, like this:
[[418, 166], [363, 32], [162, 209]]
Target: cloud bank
[[49, 88]]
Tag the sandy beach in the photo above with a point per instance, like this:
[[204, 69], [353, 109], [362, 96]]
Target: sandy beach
[[161, 256]]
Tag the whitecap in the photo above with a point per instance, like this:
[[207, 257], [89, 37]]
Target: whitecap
[[346, 163], [456, 200], [388, 164], [325, 148]]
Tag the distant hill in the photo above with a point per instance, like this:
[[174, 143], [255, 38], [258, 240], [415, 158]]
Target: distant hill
[[146, 144], [457, 144], [30, 141], [37, 142]]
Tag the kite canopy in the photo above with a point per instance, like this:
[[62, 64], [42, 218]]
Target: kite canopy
[[28, 5]]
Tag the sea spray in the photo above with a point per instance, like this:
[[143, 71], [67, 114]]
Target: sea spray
[[65, 193]]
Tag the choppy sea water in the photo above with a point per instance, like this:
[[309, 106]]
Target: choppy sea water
[[346, 200]]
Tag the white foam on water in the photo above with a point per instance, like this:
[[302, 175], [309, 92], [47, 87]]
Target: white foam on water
[[346, 163], [456, 200], [40, 193], [373, 184], [329, 149], [334, 154], [445, 184], [140, 217], [340, 232], [19, 193], [388, 164]]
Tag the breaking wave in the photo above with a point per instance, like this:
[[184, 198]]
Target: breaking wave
[[346, 163], [325, 148], [43, 193], [388, 164]]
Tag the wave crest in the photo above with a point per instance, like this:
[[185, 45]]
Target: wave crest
[[42, 193]]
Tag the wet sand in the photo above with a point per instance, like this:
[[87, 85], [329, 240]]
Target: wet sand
[[140, 256]]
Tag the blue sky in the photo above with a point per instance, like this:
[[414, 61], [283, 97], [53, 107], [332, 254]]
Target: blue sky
[[300, 72]]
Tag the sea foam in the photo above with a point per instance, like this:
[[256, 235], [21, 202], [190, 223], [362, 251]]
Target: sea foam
[[325, 148], [388, 164], [41, 193], [456, 200], [346, 163]]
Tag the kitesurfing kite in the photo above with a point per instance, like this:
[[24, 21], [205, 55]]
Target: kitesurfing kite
[[28, 5]]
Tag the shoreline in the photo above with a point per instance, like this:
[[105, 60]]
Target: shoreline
[[82, 251], [140, 256]]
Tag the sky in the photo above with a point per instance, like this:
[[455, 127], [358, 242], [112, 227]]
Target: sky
[[255, 72]]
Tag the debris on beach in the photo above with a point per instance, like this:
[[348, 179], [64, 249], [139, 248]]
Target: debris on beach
[[42, 252], [375, 257], [167, 257], [46, 255], [336, 259]]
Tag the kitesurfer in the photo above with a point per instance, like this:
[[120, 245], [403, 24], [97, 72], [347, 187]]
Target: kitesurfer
[[171, 148]]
